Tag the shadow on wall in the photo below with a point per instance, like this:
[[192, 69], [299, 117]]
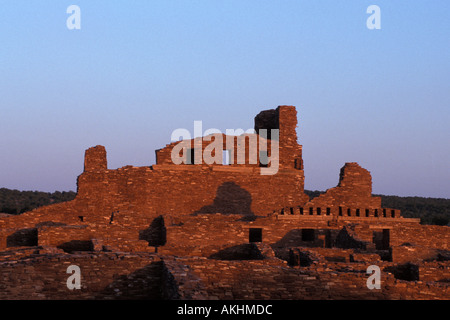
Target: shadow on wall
[[155, 234], [23, 238], [77, 245], [246, 251], [230, 199], [408, 271], [144, 283], [303, 238]]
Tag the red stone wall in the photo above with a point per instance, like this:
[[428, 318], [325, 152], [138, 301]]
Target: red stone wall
[[354, 191], [103, 276], [270, 279]]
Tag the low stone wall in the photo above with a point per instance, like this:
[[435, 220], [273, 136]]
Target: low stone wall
[[271, 279], [103, 276], [411, 253], [435, 271]]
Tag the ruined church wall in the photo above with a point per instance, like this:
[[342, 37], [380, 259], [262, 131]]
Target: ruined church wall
[[178, 191]]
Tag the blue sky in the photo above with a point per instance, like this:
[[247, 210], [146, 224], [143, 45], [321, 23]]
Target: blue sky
[[137, 70]]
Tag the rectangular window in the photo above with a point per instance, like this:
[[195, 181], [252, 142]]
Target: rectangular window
[[319, 211], [340, 211], [255, 235], [298, 164], [367, 212], [328, 211], [226, 157], [190, 156], [357, 213]]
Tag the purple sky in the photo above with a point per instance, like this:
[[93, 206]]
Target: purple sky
[[138, 70]]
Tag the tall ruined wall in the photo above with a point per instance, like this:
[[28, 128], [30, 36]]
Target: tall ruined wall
[[184, 189], [353, 191], [133, 197], [284, 118], [187, 190], [290, 150], [95, 159], [245, 150]]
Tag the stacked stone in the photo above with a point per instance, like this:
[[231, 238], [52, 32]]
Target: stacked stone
[[103, 276]]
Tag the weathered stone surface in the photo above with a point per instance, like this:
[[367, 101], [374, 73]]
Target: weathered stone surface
[[208, 231]]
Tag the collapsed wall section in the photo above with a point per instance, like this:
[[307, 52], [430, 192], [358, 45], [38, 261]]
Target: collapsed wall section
[[354, 190]]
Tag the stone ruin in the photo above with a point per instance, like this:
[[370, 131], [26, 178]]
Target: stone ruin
[[214, 231]]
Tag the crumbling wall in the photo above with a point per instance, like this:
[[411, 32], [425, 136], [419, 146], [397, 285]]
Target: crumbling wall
[[272, 279], [437, 237], [435, 271], [348, 239], [95, 159], [354, 191], [244, 151], [412, 253], [103, 276]]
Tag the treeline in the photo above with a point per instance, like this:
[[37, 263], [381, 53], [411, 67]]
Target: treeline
[[17, 202], [429, 210]]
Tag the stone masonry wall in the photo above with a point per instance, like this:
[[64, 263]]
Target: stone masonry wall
[[271, 279], [103, 276]]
